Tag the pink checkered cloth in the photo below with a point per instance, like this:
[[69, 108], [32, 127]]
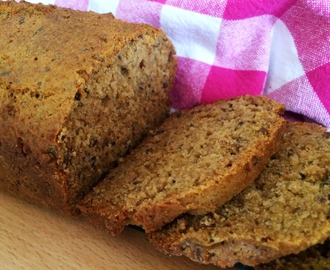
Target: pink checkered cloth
[[226, 48]]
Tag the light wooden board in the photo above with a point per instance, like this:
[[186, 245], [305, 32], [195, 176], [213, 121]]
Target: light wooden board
[[35, 238]]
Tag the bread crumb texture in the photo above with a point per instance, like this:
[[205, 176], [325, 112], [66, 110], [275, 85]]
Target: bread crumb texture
[[77, 91], [197, 160], [285, 211]]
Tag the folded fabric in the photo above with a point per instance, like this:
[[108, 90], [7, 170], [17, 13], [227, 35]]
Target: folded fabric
[[225, 48]]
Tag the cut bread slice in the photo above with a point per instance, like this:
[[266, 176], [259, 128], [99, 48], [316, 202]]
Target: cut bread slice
[[194, 162], [285, 211]]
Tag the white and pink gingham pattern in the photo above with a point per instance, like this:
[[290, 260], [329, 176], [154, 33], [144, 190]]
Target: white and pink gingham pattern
[[225, 48]]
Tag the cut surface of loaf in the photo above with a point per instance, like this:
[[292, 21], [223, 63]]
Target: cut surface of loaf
[[285, 211], [195, 161], [77, 91], [314, 258]]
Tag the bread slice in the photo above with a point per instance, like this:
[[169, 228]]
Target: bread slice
[[314, 258], [196, 161], [77, 91], [285, 211]]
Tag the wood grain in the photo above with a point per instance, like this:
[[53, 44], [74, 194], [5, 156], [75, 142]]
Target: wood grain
[[35, 238]]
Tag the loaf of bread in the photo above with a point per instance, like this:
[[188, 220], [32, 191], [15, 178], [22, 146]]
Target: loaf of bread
[[195, 161], [285, 211], [314, 258], [77, 91]]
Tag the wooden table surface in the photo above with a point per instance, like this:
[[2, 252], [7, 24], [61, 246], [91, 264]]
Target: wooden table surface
[[35, 238]]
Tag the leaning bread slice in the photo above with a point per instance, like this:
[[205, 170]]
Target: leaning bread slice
[[196, 161], [314, 258], [285, 211]]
